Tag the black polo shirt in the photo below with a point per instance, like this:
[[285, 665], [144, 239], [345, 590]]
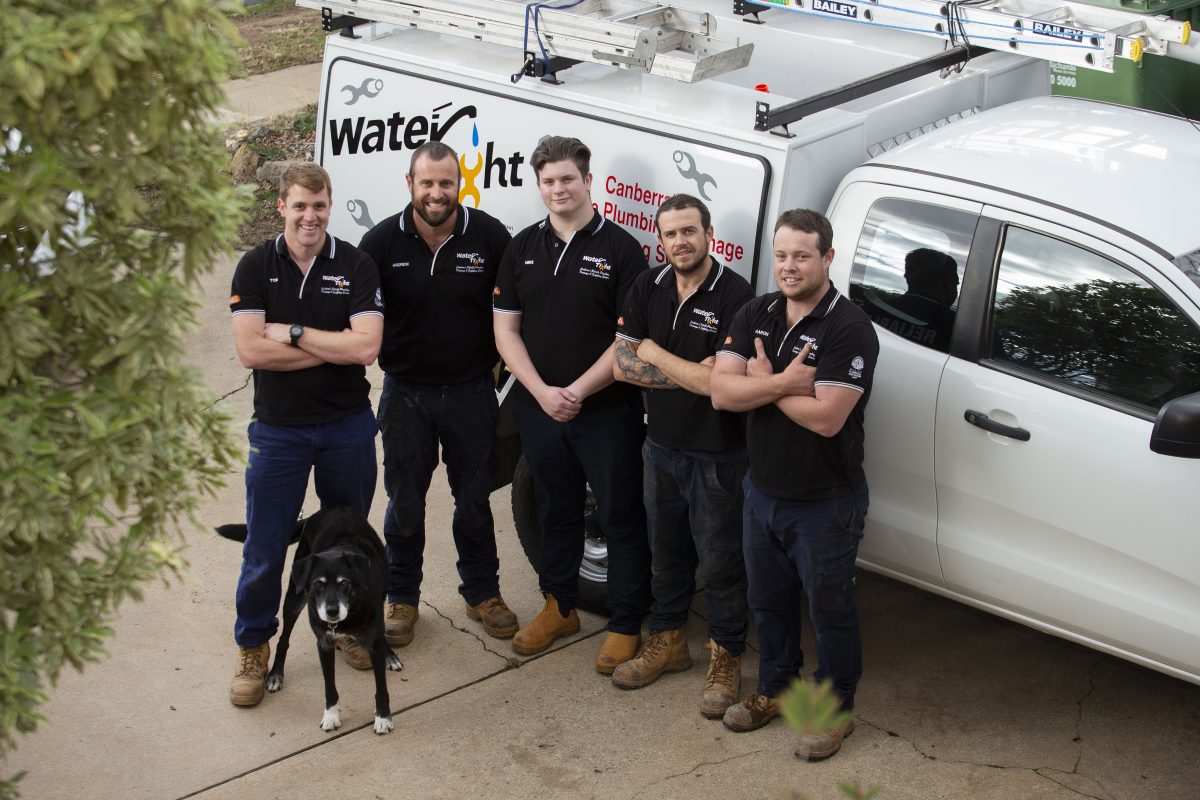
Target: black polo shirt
[[691, 330], [341, 284], [787, 460], [437, 327], [569, 295]]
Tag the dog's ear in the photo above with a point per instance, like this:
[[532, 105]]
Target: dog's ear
[[360, 566], [301, 569], [236, 533]]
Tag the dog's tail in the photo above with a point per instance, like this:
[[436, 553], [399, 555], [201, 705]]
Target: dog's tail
[[237, 532]]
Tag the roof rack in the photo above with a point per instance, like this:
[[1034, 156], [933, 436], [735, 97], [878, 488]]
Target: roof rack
[[648, 37]]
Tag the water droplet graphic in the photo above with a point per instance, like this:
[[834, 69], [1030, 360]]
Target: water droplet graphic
[[475, 136]]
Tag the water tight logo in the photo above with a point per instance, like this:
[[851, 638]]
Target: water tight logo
[[1057, 31], [360, 214], [692, 174], [503, 170], [355, 135], [600, 268], [838, 9], [369, 88], [340, 284], [703, 321], [469, 263]]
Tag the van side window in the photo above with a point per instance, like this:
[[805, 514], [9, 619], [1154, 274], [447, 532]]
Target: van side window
[[1081, 319], [908, 266]]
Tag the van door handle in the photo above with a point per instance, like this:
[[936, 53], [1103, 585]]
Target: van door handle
[[981, 420]]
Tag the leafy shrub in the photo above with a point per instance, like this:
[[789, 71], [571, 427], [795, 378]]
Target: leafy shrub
[[106, 441]]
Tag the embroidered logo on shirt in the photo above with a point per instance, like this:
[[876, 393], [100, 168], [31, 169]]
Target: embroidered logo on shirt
[[703, 321], [620, 322], [379, 298], [856, 367], [233, 301], [469, 263], [758, 332], [341, 285], [399, 264], [273, 280], [728, 340], [598, 268], [496, 291]]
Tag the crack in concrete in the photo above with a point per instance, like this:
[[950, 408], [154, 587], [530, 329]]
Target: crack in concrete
[[1041, 772], [666, 778], [509, 661], [231, 393]]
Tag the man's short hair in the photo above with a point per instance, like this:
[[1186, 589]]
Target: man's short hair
[[561, 148], [680, 202], [925, 268], [434, 151], [308, 174], [806, 220]]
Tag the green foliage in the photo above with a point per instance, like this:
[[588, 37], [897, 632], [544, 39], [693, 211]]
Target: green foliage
[[106, 441], [809, 707], [812, 707]]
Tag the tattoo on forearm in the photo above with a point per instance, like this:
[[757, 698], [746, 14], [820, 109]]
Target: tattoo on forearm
[[639, 372]]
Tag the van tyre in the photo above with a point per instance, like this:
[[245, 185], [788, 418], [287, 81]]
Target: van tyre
[[593, 572]]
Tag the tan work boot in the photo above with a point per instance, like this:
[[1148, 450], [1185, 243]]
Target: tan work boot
[[357, 656], [616, 650], [665, 651], [819, 746], [399, 623], [545, 629], [498, 619], [722, 683], [752, 713], [249, 685]]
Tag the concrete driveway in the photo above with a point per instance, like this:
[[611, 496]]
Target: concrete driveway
[[953, 703]]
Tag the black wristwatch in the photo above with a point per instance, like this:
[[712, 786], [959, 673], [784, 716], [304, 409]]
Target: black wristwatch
[[296, 331]]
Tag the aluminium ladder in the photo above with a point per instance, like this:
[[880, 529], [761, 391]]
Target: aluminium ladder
[[669, 41]]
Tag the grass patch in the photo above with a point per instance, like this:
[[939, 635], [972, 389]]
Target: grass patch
[[274, 35]]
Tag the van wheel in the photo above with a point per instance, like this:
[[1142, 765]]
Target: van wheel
[[593, 571]]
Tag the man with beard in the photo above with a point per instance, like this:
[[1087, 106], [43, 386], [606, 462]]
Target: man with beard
[[437, 264], [806, 494], [694, 456]]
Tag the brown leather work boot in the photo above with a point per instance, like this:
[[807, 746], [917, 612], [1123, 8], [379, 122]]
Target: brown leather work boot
[[821, 745], [545, 629], [357, 656], [752, 713], [498, 619], [616, 650], [722, 683], [399, 623], [249, 685], [665, 651]]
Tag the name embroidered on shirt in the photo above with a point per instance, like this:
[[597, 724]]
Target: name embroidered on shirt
[[399, 264]]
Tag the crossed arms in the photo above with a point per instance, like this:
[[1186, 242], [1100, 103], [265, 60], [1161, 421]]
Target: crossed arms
[[267, 345]]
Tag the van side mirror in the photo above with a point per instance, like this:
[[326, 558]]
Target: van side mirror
[[1177, 429]]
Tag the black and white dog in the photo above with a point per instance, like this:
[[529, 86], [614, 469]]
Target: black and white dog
[[340, 571]]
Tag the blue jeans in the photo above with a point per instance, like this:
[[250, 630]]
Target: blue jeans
[[804, 551], [341, 456], [414, 420], [603, 449], [694, 515]]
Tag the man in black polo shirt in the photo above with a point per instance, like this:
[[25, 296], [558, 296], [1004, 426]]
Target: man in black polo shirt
[[307, 317], [561, 285], [806, 494], [695, 456], [437, 264]]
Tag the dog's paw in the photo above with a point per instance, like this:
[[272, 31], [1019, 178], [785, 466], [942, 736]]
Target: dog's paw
[[274, 682], [332, 719], [393, 662], [383, 725]]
